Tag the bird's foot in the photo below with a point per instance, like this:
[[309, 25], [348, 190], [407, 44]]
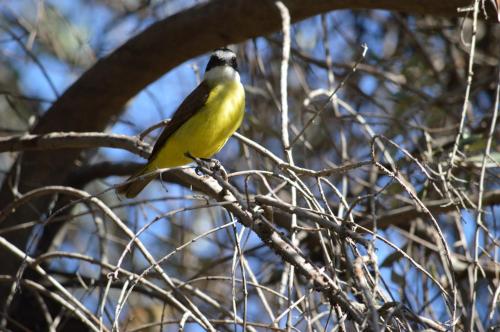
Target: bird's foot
[[213, 164], [198, 169]]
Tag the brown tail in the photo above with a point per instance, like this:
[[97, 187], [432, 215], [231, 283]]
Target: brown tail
[[132, 187]]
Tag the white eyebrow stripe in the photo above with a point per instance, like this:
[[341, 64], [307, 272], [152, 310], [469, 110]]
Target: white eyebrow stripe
[[225, 55]]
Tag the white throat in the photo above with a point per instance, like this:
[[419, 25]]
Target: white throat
[[221, 74]]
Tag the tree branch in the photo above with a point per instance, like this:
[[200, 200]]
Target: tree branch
[[404, 215], [74, 140]]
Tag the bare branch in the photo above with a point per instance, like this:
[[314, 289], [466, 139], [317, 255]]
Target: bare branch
[[401, 217], [73, 140]]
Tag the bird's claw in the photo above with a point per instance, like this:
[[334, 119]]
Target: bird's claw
[[213, 164], [198, 171], [216, 167]]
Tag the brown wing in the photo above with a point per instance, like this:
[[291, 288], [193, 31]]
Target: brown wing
[[186, 110]]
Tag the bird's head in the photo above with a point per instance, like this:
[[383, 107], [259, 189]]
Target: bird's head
[[222, 66]]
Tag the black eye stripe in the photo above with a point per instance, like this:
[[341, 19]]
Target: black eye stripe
[[234, 64], [218, 61], [214, 62]]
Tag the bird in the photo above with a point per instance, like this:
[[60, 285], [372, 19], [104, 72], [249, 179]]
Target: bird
[[201, 125]]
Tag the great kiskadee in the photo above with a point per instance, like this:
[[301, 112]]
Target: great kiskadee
[[201, 125]]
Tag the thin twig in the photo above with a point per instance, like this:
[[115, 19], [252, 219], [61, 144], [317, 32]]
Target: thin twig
[[334, 92]]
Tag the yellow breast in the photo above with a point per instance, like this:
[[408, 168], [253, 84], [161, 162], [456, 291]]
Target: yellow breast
[[208, 130]]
